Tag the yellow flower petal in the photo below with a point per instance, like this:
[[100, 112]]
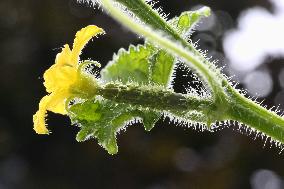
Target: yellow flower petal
[[82, 38], [52, 102], [39, 116], [56, 102], [64, 57], [59, 77]]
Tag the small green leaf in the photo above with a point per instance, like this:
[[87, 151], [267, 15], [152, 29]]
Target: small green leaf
[[187, 20]]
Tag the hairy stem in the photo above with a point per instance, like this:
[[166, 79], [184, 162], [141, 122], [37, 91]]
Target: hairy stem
[[162, 100], [146, 14], [255, 116]]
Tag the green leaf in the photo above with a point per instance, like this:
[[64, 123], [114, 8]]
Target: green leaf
[[94, 118], [129, 66], [102, 119], [187, 20], [143, 64]]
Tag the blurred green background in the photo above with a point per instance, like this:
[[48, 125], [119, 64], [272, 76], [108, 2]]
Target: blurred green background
[[168, 157]]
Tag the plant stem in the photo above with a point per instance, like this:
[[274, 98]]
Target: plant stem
[[160, 99], [255, 116], [146, 14]]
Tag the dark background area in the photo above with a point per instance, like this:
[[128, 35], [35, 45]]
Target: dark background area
[[168, 157]]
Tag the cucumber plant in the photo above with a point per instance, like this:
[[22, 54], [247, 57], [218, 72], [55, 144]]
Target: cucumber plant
[[136, 85]]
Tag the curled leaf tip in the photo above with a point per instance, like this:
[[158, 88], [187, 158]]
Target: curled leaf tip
[[206, 11]]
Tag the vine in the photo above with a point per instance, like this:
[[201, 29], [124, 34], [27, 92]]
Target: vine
[[136, 85]]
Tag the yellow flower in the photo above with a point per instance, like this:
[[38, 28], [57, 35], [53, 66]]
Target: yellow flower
[[60, 77]]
